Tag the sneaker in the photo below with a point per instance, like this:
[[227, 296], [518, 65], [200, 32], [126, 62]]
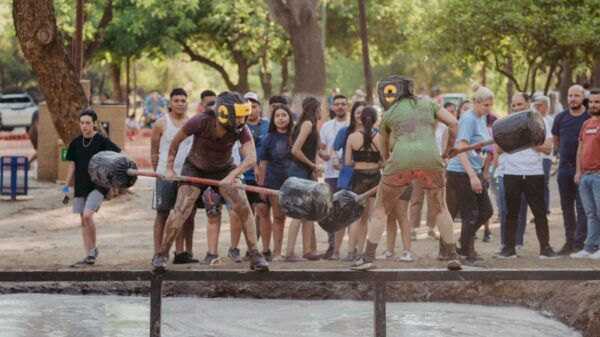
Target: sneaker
[[548, 254], [361, 264], [258, 262], [473, 263], [268, 255], [567, 249], [582, 254], [454, 265], [278, 258], [92, 255], [234, 255], [211, 259], [596, 255], [432, 235], [519, 249], [386, 255], [487, 236], [349, 258], [406, 257], [184, 258], [500, 248], [328, 253], [506, 253], [247, 256], [295, 258], [159, 262], [312, 256], [413, 235], [333, 257]]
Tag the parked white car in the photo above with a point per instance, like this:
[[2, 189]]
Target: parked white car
[[16, 111]]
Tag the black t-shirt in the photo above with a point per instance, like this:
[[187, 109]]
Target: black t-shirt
[[81, 152]]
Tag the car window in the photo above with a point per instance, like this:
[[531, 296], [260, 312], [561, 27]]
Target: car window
[[14, 100]]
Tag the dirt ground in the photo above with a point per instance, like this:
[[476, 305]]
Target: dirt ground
[[43, 234]]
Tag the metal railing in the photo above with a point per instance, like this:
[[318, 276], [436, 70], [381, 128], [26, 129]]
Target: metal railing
[[378, 277]]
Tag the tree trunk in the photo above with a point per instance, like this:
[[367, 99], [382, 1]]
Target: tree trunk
[[364, 37], [285, 74], [42, 45], [596, 73], [300, 19], [566, 81], [510, 84], [266, 82], [242, 85], [115, 71], [483, 73]]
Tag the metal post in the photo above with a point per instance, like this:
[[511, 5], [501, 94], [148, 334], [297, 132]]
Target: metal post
[[155, 305], [379, 306]]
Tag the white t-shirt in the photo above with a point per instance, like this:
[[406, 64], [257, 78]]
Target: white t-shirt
[[550, 121], [525, 163], [440, 129], [327, 135]]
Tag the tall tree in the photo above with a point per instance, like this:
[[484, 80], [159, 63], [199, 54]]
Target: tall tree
[[364, 37], [43, 47], [300, 19]]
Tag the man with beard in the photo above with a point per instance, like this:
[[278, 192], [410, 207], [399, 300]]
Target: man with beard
[[588, 177], [327, 134], [566, 129], [215, 132]]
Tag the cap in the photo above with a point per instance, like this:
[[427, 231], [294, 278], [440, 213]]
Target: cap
[[252, 96]]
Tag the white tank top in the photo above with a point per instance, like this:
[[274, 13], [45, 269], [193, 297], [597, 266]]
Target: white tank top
[[165, 143]]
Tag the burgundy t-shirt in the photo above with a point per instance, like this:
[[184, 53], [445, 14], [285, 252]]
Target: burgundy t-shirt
[[590, 138], [207, 152]]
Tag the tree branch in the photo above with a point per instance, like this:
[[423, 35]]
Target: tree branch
[[204, 60], [281, 13], [107, 17], [507, 74]]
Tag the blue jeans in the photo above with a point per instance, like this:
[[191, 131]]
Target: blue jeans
[[501, 204], [589, 190], [575, 228], [547, 163]]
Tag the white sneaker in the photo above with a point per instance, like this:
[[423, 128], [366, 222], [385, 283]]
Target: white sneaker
[[385, 256], [582, 254], [519, 249], [596, 255], [406, 257]]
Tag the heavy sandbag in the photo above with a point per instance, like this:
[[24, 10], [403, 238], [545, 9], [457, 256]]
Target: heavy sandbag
[[109, 169], [520, 131], [346, 208], [305, 199]]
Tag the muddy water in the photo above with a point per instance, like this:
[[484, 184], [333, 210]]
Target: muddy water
[[29, 315]]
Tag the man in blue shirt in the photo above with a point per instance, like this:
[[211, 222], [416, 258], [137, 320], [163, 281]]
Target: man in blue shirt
[[259, 127], [466, 187], [565, 131]]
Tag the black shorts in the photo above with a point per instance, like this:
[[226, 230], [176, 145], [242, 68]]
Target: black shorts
[[364, 180], [192, 171], [253, 197]]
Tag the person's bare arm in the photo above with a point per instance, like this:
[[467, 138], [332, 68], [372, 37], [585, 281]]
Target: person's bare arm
[[248, 152], [545, 148], [70, 174], [578, 164], [305, 130], [556, 140], [262, 172], [157, 132], [447, 118], [180, 136], [466, 164], [349, 145]]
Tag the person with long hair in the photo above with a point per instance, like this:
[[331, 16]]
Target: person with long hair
[[275, 160], [408, 149], [362, 154], [345, 176], [305, 145]]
